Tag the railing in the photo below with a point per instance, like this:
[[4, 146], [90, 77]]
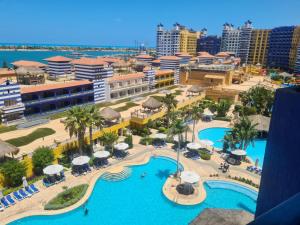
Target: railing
[[119, 88]]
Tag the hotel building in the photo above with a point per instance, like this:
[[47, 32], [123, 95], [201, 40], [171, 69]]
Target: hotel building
[[188, 41], [185, 58], [11, 106], [164, 78], [259, 45], [230, 39], [244, 41], [210, 44], [124, 86], [205, 58], [297, 65], [167, 41], [58, 66], [171, 63], [294, 48], [144, 58]]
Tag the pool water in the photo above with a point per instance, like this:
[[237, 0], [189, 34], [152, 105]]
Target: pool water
[[216, 135], [140, 201]]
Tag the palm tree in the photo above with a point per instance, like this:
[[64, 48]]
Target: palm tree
[[196, 113], [170, 102], [76, 123], [178, 127], [109, 139], [223, 107], [245, 132], [95, 120]]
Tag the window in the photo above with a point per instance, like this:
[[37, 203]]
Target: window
[[10, 102]]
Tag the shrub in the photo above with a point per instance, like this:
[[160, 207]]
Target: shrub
[[42, 157], [67, 197], [146, 140], [13, 171], [162, 130], [128, 140], [205, 156]]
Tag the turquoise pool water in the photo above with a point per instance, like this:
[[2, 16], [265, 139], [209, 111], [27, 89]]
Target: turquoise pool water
[[137, 201], [216, 135]]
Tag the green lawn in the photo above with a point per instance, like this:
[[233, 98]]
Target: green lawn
[[125, 107], [25, 140], [4, 129], [67, 198]]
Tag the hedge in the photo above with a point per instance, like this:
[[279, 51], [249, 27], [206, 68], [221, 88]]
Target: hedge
[[67, 198]]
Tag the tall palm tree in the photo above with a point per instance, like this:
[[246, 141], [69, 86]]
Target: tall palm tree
[[196, 113], [76, 123], [178, 127], [245, 132], [95, 120], [108, 139], [170, 103]]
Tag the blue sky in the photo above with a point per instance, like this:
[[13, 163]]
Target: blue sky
[[121, 22]]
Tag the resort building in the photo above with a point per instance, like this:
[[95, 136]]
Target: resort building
[[25, 63], [210, 44], [259, 45], [244, 41], [185, 58], [280, 44], [30, 75], [47, 98], [11, 106], [150, 77], [164, 78], [297, 64], [230, 38], [171, 63], [167, 41], [188, 41], [294, 48], [205, 58], [144, 58], [58, 66], [124, 86], [7, 73]]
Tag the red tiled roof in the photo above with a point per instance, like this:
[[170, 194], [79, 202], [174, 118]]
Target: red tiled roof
[[144, 57], [169, 57], [6, 72], [156, 61], [222, 54], [26, 63], [46, 87], [163, 72], [58, 59], [89, 61], [205, 55], [111, 59], [182, 54], [126, 77]]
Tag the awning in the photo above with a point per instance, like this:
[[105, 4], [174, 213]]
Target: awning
[[189, 177], [53, 169], [239, 152], [101, 154], [193, 146], [81, 160], [206, 142]]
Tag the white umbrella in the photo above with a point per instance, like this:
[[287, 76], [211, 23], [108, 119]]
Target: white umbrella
[[160, 136], [207, 112], [121, 146], [53, 169], [239, 152], [193, 146], [25, 183], [81, 160], [206, 142], [176, 138], [189, 177], [101, 154]]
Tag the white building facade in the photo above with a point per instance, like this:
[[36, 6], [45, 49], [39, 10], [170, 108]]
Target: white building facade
[[58, 66], [167, 41], [244, 41], [230, 38]]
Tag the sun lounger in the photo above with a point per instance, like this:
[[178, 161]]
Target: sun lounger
[[24, 194], [4, 202], [34, 188], [10, 200], [28, 190], [17, 196], [1, 208]]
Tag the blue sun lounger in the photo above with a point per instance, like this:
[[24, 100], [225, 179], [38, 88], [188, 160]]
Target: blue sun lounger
[[29, 190], [10, 199], [34, 188], [17, 196], [24, 194], [4, 202]]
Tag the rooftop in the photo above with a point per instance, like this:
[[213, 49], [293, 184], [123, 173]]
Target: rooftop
[[163, 72], [126, 77], [169, 57], [46, 87], [58, 59], [89, 61], [205, 55], [144, 57], [6, 72], [26, 63]]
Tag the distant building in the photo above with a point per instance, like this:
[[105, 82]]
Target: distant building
[[294, 48], [167, 41], [205, 58], [58, 66], [280, 44], [185, 58], [144, 58], [244, 41], [210, 44], [26, 63], [188, 41], [297, 65], [230, 38], [11, 106], [259, 45], [171, 63]]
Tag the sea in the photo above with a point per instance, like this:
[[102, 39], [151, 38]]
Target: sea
[[10, 56]]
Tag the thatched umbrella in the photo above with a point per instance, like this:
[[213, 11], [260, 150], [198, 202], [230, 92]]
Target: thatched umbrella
[[29, 70], [6, 148], [152, 104], [195, 89], [110, 114], [262, 122], [223, 217]]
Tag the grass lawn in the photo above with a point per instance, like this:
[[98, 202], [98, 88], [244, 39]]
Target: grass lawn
[[67, 198], [127, 106], [4, 129], [25, 140]]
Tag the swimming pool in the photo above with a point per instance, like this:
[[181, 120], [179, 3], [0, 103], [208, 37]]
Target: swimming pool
[[137, 201], [216, 135]]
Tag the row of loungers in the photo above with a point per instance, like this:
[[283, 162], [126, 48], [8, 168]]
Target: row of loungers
[[81, 170], [51, 180], [254, 169], [19, 195]]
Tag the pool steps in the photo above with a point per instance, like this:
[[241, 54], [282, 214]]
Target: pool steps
[[118, 176]]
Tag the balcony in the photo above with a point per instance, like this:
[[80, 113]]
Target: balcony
[[6, 109], [126, 87]]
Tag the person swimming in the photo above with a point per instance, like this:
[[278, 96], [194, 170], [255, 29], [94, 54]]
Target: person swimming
[[86, 212], [143, 175]]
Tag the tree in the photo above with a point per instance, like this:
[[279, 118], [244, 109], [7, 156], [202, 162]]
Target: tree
[[42, 157], [128, 140], [13, 172], [170, 103], [94, 120], [76, 123], [108, 139], [196, 113], [178, 127], [223, 107]]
